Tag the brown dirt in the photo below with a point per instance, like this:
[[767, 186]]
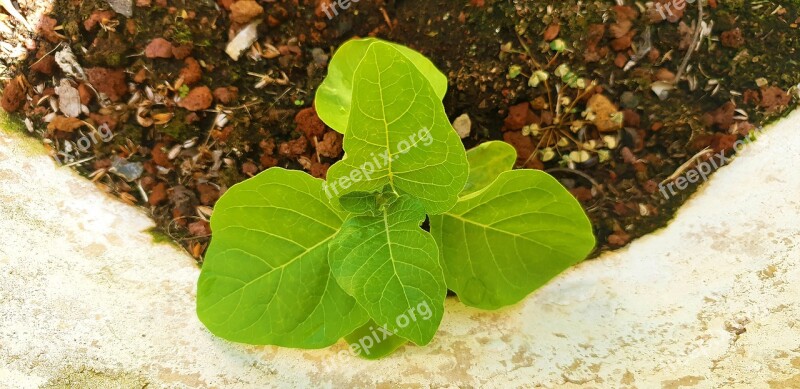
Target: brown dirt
[[201, 142]]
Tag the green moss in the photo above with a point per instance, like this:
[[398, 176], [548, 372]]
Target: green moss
[[13, 124], [181, 33], [72, 29], [159, 236], [108, 50], [230, 176], [183, 91], [177, 127]]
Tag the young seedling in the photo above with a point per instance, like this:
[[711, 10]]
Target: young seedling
[[300, 262]]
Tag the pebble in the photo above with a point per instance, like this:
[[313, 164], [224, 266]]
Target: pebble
[[463, 126], [129, 171]]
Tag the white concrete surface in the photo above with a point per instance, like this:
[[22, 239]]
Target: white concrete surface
[[86, 300]]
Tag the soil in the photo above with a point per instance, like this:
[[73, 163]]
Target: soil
[[189, 122]]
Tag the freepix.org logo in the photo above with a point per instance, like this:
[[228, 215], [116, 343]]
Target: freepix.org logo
[[85, 143], [668, 9], [376, 336], [378, 162], [332, 7], [685, 175]]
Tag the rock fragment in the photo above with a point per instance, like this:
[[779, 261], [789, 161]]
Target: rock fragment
[[198, 99], [69, 99], [605, 113], [243, 11], [158, 48]]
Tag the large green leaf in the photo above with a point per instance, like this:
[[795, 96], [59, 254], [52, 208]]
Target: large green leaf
[[372, 341], [486, 162], [399, 135], [334, 94], [391, 266], [500, 244], [266, 277]]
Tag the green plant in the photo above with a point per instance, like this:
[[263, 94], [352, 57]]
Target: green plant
[[300, 262], [183, 91]]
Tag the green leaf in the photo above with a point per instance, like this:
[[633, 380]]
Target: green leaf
[[502, 243], [391, 267], [334, 94], [398, 135], [372, 341], [360, 203], [266, 277], [486, 162]]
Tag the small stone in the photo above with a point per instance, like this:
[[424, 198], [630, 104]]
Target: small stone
[[110, 82], [96, 18], [124, 7], [665, 75], [192, 72], [200, 228], [69, 99], [309, 123], [182, 51], [198, 99], [109, 120], [158, 195], [209, 194], [552, 31], [249, 168], [244, 11], [159, 155], [733, 38], [140, 76], [86, 93], [293, 148], [624, 42], [226, 95], [773, 99], [604, 111], [463, 126], [320, 58], [64, 124], [621, 60], [45, 65], [158, 48], [47, 29], [13, 95], [129, 171], [331, 145], [517, 116]]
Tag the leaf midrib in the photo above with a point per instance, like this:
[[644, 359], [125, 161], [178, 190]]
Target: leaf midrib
[[273, 270]]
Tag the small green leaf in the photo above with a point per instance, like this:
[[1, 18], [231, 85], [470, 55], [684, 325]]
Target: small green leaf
[[398, 135], [334, 94], [486, 162], [391, 266], [266, 277], [500, 244], [372, 341]]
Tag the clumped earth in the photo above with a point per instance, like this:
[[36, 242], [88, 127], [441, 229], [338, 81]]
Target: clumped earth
[[153, 110]]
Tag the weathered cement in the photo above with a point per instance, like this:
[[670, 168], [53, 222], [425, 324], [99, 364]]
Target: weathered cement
[[86, 299]]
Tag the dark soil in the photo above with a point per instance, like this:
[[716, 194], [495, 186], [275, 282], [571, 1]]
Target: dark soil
[[205, 123]]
